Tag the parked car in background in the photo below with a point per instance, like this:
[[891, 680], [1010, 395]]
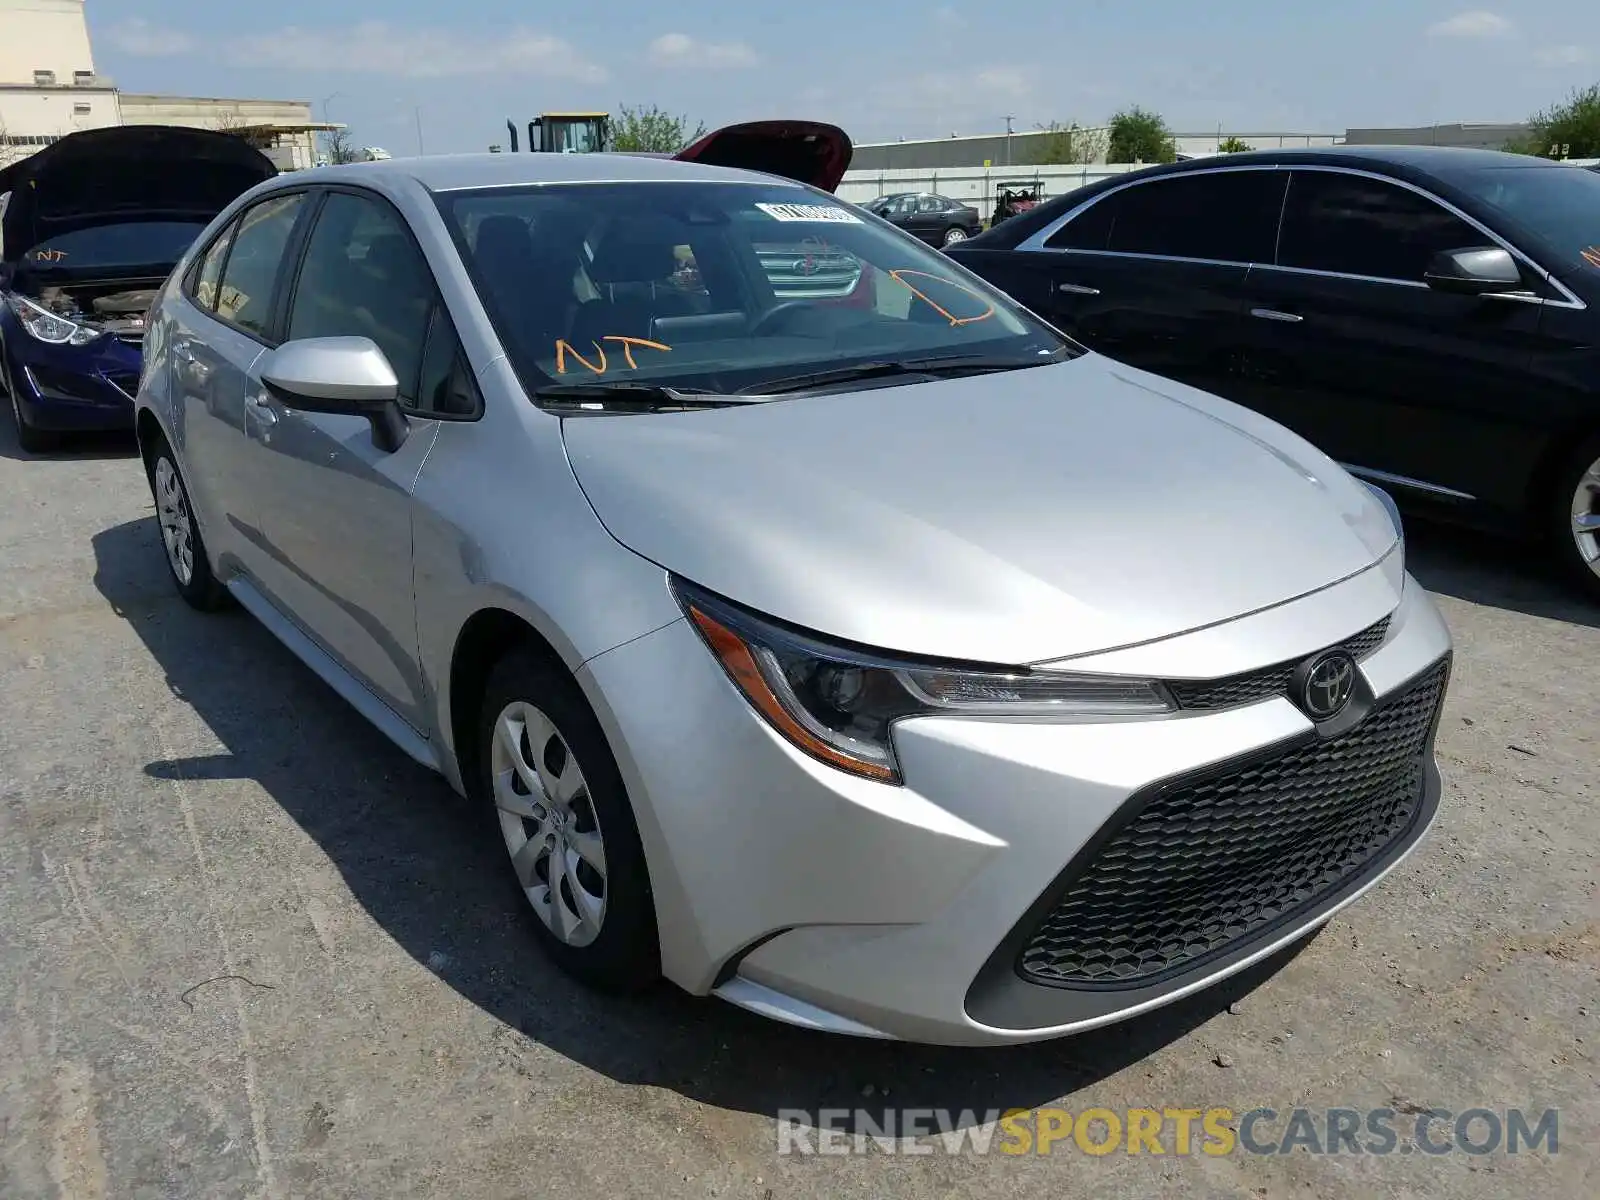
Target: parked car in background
[[937, 220], [922, 744], [1429, 317], [92, 225]]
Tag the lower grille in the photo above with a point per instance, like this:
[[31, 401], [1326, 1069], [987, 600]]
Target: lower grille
[[1212, 861], [126, 382]]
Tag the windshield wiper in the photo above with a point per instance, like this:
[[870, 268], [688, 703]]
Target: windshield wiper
[[646, 397], [936, 368]]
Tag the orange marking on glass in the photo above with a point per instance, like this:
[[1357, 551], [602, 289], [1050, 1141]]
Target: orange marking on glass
[[628, 343], [564, 348], [989, 310]]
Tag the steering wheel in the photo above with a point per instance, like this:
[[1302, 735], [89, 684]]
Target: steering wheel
[[776, 313]]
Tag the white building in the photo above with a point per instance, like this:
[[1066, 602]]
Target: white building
[[49, 88]]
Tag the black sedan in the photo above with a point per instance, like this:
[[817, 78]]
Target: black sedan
[[937, 220], [1429, 317]]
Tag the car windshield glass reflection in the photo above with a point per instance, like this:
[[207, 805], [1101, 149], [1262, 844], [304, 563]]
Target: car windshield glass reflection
[[715, 287]]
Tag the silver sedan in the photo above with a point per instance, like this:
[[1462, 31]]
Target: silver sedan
[[814, 626]]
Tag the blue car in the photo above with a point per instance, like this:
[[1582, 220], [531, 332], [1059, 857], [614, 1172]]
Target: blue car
[[91, 227]]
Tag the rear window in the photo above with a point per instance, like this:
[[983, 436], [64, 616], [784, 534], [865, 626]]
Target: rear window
[[108, 247], [717, 286]]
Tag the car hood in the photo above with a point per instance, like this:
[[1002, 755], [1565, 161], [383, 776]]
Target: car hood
[[125, 173], [1010, 518], [808, 152]]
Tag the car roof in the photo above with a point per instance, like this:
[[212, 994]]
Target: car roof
[[1414, 158], [454, 172]]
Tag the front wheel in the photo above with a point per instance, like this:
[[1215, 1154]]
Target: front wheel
[[953, 235], [30, 437], [1576, 519], [562, 811]]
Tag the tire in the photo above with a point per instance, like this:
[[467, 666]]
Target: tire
[[954, 235], [184, 549], [1578, 496], [31, 438], [616, 949]]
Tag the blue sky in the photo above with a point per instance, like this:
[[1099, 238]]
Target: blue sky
[[885, 69]]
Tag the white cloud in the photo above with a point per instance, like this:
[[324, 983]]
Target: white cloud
[[144, 40], [681, 50], [376, 48], [1476, 24], [949, 19], [1564, 56]]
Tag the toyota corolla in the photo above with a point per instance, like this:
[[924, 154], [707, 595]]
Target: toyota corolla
[[895, 668]]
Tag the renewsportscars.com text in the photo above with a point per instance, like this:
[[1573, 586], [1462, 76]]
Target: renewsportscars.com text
[[1179, 1132]]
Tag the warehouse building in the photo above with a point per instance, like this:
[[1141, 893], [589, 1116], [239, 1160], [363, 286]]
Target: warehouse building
[[49, 87]]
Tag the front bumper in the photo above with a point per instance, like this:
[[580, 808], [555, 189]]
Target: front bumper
[[72, 388], [825, 900]]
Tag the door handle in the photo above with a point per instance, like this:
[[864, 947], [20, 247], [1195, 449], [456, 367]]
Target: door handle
[[1272, 314], [1077, 289]]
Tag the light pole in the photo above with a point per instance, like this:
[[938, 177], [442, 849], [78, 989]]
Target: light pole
[[1009, 119], [418, 113]]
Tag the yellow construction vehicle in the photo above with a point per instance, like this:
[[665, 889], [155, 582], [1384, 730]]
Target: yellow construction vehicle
[[566, 133]]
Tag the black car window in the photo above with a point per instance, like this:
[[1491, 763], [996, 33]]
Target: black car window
[[1561, 206], [1356, 225], [930, 204], [245, 297], [447, 387], [208, 271], [1225, 216], [363, 276]]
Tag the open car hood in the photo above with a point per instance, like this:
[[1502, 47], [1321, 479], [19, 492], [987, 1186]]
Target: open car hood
[[124, 173], [805, 151]]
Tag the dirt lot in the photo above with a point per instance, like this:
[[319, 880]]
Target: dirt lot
[[249, 950]]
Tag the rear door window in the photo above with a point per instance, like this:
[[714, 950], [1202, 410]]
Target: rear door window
[[248, 280], [208, 274], [1222, 216], [1355, 225]]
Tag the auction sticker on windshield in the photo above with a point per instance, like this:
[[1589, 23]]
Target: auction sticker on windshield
[[810, 212]]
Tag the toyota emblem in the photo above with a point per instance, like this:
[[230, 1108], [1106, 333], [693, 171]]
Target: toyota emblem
[[1326, 684]]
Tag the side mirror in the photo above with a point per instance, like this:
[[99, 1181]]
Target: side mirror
[[1479, 271], [349, 376]]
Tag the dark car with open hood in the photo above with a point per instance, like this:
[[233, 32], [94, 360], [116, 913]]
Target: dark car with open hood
[[90, 229]]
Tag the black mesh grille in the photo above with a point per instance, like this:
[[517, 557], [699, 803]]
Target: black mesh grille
[[1252, 686], [1206, 864]]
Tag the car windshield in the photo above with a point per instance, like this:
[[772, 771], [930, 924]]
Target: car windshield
[[1561, 205], [718, 287], [107, 247]]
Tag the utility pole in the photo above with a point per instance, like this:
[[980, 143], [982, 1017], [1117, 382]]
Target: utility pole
[[1009, 119], [418, 112]]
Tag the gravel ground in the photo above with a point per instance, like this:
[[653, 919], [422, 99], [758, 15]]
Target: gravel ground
[[250, 950]]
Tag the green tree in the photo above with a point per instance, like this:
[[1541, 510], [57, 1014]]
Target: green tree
[[1136, 135], [1071, 145], [1233, 145], [1572, 128], [651, 129]]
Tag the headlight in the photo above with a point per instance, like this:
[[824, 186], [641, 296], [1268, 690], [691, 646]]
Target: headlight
[[47, 327], [837, 703]]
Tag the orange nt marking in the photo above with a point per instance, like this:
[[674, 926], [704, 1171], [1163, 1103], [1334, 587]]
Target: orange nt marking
[[628, 343], [899, 277], [563, 348]]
